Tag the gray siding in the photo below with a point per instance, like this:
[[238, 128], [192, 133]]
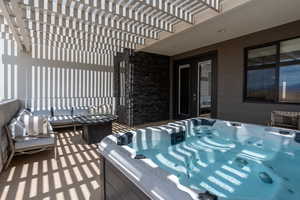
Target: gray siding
[[231, 75]]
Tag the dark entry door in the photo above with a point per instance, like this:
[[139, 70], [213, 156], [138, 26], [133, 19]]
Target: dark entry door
[[195, 90], [184, 90], [204, 89]]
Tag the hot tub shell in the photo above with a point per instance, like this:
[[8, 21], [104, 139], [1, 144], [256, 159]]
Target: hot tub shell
[[124, 177]]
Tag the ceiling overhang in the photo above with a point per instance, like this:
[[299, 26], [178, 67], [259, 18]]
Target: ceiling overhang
[[237, 18]]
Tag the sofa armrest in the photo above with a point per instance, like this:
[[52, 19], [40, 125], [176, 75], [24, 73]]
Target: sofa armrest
[[50, 128]]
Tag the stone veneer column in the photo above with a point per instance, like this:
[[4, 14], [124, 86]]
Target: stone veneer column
[[150, 87], [147, 88]]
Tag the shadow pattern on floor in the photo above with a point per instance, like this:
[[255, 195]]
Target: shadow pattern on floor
[[73, 175]]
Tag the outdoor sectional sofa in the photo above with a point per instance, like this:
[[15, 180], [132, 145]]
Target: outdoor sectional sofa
[[57, 117], [63, 117], [18, 138]]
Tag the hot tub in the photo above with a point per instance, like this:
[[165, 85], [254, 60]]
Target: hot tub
[[202, 159]]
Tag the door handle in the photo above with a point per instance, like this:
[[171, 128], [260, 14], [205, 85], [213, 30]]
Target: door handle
[[194, 97]]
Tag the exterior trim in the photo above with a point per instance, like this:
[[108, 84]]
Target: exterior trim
[[179, 86]]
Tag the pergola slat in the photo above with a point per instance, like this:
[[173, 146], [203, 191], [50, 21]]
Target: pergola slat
[[125, 11], [91, 29], [62, 30], [143, 16], [54, 19], [6, 13], [61, 38], [19, 15], [86, 10], [97, 26], [74, 47], [92, 47], [166, 9], [213, 4]]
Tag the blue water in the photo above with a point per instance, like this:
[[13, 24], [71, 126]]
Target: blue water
[[230, 168]]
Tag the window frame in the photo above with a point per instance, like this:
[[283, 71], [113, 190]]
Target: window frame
[[276, 66]]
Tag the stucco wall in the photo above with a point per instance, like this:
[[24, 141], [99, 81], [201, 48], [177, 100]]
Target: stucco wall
[[230, 74]]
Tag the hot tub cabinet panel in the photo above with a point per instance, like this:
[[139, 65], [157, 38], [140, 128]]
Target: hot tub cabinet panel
[[116, 186]]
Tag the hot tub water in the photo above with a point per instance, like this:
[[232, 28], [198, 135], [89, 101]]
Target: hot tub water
[[237, 165]]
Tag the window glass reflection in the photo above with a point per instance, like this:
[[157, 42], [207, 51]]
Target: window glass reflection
[[290, 50], [289, 84], [262, 56], [261, 84]]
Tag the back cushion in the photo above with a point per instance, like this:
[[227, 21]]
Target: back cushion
[[102, 109], [17, 128], [80, 111], [44, 113], [22, 114], [36, 125], [62, 111], [105, 109], [93, 110]]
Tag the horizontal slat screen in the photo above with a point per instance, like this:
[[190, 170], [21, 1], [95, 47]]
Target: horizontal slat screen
[[54, 76]]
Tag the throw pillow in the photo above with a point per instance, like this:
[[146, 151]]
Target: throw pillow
[[22, 113], [17, 129], [36, 125]]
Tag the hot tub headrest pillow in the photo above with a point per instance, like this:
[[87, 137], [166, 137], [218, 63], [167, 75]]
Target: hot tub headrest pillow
[[297, 137], [125, 139], [203, 122]]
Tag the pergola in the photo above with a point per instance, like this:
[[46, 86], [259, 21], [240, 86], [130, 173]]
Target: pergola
[[96, 26]]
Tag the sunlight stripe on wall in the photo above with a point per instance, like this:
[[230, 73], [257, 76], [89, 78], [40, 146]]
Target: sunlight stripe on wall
[[42, 86]]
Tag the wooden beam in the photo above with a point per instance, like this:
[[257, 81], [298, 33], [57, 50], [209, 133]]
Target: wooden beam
[[19, 13], [213, 4], [81, 29], [118, 25], [90, 47], [167, 9], [79, 41], [10, 22], [88, 7]]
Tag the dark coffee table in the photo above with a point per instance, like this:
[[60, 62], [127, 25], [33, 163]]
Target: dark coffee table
[[95, 127]]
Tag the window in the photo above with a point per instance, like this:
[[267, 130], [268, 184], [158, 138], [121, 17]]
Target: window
[[261, 73], [273, 71], [289, 84], [261, 84]]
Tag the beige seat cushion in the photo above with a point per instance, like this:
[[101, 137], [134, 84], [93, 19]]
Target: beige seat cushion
[[27, 143]]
